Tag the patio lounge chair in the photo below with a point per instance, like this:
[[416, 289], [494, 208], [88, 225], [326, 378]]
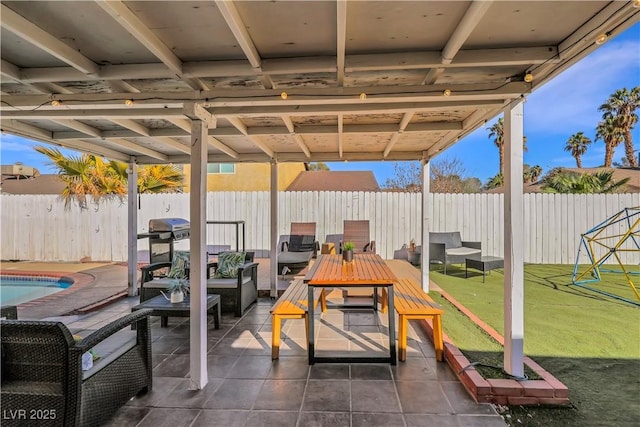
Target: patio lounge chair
[[357, 231], [42, 372], [297, 249], [449, 248]]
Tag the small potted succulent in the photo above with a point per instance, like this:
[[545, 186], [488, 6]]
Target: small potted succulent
[[347, 251], [178, 289]]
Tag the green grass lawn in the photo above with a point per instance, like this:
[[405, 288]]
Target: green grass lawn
[[588, 341]]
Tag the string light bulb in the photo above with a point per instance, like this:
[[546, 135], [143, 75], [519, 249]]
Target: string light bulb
[[447, 92], [284, 95], [56, 103], [363, 96], [636, 3], [602, 38], [128, 102], [528, 77]]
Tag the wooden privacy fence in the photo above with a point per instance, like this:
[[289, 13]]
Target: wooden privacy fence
[[37, 227]]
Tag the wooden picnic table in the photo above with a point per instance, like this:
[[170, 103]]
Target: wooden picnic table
[[365, 271]]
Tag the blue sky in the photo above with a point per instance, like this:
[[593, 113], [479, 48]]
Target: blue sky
[[566, 105]]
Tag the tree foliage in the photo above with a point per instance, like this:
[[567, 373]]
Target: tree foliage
[[620, 109], [447, 176], [318, 166], [497, 133], [561, 181], [577, 145], [90, 177]]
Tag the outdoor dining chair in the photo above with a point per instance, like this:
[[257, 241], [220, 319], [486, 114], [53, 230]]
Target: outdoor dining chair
[[357, 231]]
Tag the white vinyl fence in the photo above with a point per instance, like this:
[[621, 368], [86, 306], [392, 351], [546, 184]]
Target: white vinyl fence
[[39, 228]]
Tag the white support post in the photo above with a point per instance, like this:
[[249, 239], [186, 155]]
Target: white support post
[[426, 224], [513, 242], [198, 261], [132, 233], [273, 253]]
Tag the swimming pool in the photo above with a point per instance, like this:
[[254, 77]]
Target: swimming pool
[[16, 289]]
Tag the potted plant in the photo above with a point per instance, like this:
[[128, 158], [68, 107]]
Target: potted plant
[[347, 251], [178, 289]]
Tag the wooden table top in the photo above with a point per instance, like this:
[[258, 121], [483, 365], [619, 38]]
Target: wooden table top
[[365, 270]]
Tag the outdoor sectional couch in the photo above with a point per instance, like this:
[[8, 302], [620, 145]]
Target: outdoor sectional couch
[[449, 248]]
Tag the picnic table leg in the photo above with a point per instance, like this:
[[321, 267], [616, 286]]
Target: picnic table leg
[[323, 300], [385, 300], [437, 338], [275, 337], [392, 328], [402, 337], [310, 327]]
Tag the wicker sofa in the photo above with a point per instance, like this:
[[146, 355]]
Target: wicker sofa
[[236, 295], [449, 248], [42, 376]]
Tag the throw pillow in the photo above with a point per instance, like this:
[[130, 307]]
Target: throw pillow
[[179, 265], [228, 264]]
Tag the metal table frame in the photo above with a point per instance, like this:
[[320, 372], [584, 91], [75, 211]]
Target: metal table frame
[[165, 309], [237, 224], [392, 359]]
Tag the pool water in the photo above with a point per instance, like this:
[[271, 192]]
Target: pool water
[[16, 290]]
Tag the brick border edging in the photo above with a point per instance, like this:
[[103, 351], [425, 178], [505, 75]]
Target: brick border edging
[[547, 391]]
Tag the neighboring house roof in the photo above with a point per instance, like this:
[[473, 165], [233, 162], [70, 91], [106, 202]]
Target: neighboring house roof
[[335, 181], [42, 184], [633, 186]]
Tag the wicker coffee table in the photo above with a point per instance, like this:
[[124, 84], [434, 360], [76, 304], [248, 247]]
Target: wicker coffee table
[[164, 308], [483, 263]]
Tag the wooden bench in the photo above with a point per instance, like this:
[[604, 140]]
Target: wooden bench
[[412, 303], [292, 304]]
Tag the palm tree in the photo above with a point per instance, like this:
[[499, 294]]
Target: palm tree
[[609, 132], [535, 172], [583, 183], [497, 133], [577, 145], [621, 107], [90, 176]]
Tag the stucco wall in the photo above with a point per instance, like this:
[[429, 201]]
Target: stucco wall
[[249, 177]]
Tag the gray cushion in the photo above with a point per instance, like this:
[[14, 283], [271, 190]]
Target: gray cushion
[[294, 257], [462, 251], [226, 283]]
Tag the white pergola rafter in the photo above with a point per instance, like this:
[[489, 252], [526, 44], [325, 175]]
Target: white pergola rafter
[[239, 30], [394, 138], [80, 127], [298, 138], [341, 36], [125, 17], [238, 124], [278, 130], [340, 134], [137, 148], [469, 21], [465, 58], [296, 98], [35, 35]]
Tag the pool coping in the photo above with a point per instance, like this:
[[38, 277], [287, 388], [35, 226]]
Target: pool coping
[[80, 281]]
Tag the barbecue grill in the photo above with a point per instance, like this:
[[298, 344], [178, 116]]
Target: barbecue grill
[[163, 232]]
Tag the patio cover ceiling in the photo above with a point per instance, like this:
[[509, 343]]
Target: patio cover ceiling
[[364, 80]]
